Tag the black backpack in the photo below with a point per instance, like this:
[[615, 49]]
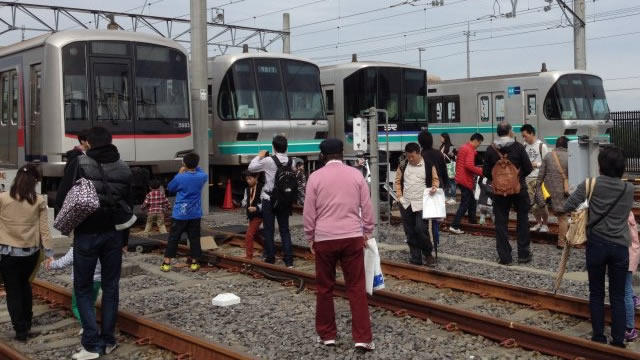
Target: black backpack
[[285, 186]]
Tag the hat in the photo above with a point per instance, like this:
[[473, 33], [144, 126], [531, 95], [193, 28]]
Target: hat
[[331, 146]]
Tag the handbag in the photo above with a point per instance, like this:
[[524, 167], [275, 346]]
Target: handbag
[[80, 202], [451, 167], [433, 205], [577, 233], [121, 211], [374, 279], [565, 183]]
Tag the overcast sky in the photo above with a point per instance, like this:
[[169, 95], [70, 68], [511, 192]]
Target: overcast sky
[[328, 31]]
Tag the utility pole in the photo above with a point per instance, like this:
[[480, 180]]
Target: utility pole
[[579, 36], [286, 38], [199, 97], [468, 34], [420, 50], [374, 167]]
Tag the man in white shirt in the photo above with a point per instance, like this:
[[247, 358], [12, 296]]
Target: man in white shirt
[[537, 150], [265, 163]]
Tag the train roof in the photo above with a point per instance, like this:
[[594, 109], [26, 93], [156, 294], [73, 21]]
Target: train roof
[[362, 64], [61, 38], [231, 58], [550, 74]]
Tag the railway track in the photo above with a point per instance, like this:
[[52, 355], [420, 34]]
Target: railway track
[[162, 341], [452, 317]]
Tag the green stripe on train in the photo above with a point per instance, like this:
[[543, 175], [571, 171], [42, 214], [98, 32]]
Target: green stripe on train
[[253, 147]]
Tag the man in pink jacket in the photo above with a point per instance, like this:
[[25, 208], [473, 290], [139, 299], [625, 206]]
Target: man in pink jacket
[[338, 218]]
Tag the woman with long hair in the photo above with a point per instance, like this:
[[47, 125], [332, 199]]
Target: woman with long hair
[[446, 148], [24, 230]]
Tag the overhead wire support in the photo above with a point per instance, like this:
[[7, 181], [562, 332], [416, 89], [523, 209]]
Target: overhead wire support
[[566, 8], [236, 35]]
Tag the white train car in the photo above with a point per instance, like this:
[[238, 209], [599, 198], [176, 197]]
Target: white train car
[[53, 86], [555, 102]]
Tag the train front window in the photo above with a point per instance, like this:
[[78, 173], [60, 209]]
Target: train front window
[[111, 83], [304, 96], [389, 85], [272, 100], [238, 97], [76, 99], [359, 94], [415, 90], [576, 97], [162, 97]]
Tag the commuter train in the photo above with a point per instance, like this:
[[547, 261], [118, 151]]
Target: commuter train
[[401, 90], [555, 102], [55, 85], [252, 98]]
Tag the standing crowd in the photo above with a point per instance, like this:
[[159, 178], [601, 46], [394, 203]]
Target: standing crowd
[[338, 221]]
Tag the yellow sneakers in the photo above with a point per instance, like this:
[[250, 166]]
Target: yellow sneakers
[[195, 267], [165, 267]]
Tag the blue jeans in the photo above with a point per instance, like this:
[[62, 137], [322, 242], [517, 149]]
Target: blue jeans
[[87, 249], [450, 189], [630, 310], [602, 254], [269, 216]]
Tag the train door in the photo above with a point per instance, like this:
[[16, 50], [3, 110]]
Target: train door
[[9, 116], [112, 97], [329, 105], [35, 86]]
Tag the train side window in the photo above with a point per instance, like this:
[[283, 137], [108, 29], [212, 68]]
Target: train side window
[[14, 103], [328, 94], [453, 109], [531, 104], [499, 106], [76, 100], [484, 109], [435, 109], [4, 121]]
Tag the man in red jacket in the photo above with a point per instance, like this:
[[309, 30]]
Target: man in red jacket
[[465, 170]]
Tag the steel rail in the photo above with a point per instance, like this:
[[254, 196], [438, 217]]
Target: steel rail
[[7, 352], [536, 299], [505, 332], [161, 335]]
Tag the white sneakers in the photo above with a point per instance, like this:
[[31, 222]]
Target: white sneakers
[[83, 354], [456, 231], [539, 227], [331, 342], [451, 201], [365, 346]]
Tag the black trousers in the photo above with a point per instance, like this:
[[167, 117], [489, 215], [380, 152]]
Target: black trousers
[[467, 205], [192, 228], [418, 234], [16, 271], [501, 207]]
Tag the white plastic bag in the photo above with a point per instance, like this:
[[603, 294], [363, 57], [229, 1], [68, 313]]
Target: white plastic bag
[[374, 280], [433, 205]]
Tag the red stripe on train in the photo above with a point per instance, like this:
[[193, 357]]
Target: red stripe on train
[[142, 136]]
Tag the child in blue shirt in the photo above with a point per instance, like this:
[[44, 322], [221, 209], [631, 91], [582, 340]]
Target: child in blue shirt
[[187, 210]]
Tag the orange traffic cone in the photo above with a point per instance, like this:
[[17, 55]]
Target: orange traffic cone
[[227, 204]]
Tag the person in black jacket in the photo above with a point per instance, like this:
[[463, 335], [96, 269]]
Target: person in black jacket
[[435, 157], [516, 153], [96, 238]]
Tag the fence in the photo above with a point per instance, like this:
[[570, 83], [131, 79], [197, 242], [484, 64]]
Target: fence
[[625, 134]]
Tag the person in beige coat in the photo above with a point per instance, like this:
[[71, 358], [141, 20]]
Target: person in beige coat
[[24, 230], [553, 171]]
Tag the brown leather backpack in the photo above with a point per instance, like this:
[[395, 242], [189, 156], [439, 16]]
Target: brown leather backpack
[[506, 178]]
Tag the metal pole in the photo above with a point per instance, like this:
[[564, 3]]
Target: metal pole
[[286, 38], [579, 36], [420, 50], [372, 117], [199, 90]]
